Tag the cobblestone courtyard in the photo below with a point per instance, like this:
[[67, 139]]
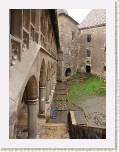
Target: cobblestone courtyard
[[95, 110]]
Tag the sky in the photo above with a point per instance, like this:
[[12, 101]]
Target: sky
[[78, 14]]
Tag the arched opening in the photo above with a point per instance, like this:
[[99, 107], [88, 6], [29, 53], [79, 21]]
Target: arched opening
[[42, 89], [26, 122], [68, 72], [88, 69]]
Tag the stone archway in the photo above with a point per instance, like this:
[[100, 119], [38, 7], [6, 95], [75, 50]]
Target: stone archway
[[27, 117], [68, 72], [42, 89], [88, 69]]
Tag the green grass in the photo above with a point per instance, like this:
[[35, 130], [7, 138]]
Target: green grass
[[82, 85]]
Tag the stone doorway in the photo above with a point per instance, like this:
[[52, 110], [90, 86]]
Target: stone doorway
[[88, 69], [68, 72]]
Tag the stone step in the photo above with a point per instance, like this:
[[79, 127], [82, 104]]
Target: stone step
[[61, 87], [59, 116], [53, 131], [59, 99], [59, 95], [61, 91], [57, 88]]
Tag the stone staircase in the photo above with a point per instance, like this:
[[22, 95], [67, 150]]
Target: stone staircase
[[60, 92], [60, 101], [55, 128], [57, 125], [53, 131]]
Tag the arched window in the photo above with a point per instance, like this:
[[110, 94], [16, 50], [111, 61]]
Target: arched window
[[88, 69], [104, 68], [89, 38], [68, 72], [88, 52]]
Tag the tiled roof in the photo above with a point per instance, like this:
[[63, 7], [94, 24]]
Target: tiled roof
[[95, 17]]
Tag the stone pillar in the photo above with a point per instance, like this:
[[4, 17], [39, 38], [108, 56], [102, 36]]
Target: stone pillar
[[54, 84], [32, 118], [50, 85], [42, 99], [47, 91]]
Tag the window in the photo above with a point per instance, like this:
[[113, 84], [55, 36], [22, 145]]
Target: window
[[68, 72], [88, 53], [32, 32], [16, 22], [73, 35], [26, 18], [88, 69], [36, 37], [33, 14], [104, 68], [89, 38], [25, 40], [105, 49]]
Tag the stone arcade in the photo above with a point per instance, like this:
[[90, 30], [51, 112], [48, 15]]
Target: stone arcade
[[44, 50], [34, 45]]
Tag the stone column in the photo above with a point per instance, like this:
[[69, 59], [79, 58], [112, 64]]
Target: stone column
[[42, 100], [47, 91], [32, 118], [54, 84]]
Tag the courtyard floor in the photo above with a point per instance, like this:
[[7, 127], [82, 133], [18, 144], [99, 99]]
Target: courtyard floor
[[84, 93], [95, 110]]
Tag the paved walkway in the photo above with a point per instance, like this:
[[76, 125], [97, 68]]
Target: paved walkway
[[95, 110], [52, 130]]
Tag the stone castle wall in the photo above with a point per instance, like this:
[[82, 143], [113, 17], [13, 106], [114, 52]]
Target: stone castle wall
[[33, 69], [69, 42], [97, 47]]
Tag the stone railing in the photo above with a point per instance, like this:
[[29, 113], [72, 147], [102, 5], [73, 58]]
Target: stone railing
[[46, 45], [15, 50], [17, 46]]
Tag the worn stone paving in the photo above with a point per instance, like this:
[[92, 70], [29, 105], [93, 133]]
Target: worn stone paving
[[95, 110], [53, 131], [60, 101]]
